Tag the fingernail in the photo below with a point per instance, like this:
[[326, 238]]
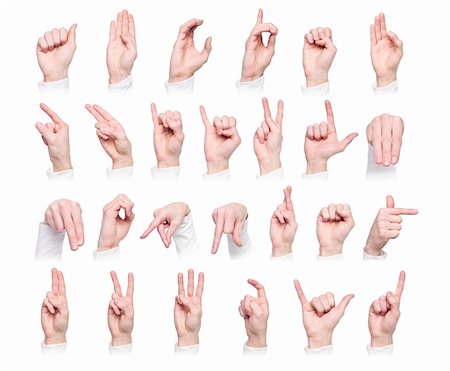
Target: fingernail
[[394, 159], [386, 162]]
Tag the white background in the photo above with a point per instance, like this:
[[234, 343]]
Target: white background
[[421, 340]]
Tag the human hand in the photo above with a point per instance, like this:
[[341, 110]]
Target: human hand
[[55, 135], [334, 223], [386, 51], [55, 312], [112, 137], [320, 316], [121, 312], [386, 226], [221, 140], [384, 314], [258, 56], [384, 134], [318, 55], [168, 137], [268, 139], [321, 143], [255, 312], [121, 51], [167, 220], [187, 312], [283, 226], [229, 219], [185, 59], [55, 52]]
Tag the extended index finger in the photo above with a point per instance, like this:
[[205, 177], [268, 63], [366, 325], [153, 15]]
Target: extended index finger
[[258, 287], [266, 108], [152, 226], [288, 199], [50, 113], [155, 117], [330, 115], [94, 113], [103, 112], [205, 118], [301, 295], [400, 284], [117, 288], [400, 211]]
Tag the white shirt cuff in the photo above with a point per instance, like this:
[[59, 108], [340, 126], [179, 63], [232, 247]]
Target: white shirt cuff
[[221, 175], [121, 350], [124, 86], [60, 86], [391, 88], [185, 238], [326, 350], [120, 173], [382, 256], [49, 243], [331, 257], [378, 171], [165, 173], [244, 251], [53, 349], [60, 175], [323, 175], [180, 87], [275, 174], [387, 350], [253, 87], [289, 256], [189, 350], [107, 255], [322, 89], [250, 351]]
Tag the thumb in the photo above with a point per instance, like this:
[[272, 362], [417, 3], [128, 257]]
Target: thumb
[[343, 304], [186, 302], [43, 130], [346, 141], [72, 34], [326, 42], [390, 202], [394, 38], [393, 302], [207, 49]]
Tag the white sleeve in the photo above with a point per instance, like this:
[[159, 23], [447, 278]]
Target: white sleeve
[[53, 349], [289, 256], [322, 89], [165, 173], [237, 252], [275, 174], [330, 257], [121, 350], [250, 351], [120, 173], [121, 87], [189, 350], [323, 175], [107, 255], [253, 87], [54, 87], [221, 175], [387, 350], [326, 350], [49, 243], [382, 256], [391, 88], [378, 171], [185, 238], [180, 87], [60, 175]]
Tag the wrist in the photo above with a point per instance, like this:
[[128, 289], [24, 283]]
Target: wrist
[[56, 339], [56, 75], [330, 250], [114, 78], [122, 162], [61, 164], [103, 245], [381, 341], [257, 341], [170, 162], [187, 340], [318, 341], [177, 77], [121, 340], [247, 77], [269, 165], [216, 166], [316, 166], [278, 251], [386, 80], [370, 249], [316, 79]]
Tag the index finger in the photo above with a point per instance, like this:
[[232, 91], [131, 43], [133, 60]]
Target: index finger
[[205, 118], [130, 287], [400, 284], [259, 18], [55, 283], [400, 211], [266, 108], [94, 113], [288, 199], [62, 284], [186, 27], [218, 233], [103, 112], [330, 115], [301, 295], [50, 113], [152, 226], [117, 288], [258, 287], [155, 117]]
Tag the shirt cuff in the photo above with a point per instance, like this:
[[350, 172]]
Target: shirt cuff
[[289, 256], [331, 257], [387, 350], [60, 175], [124, 86], [180, 87], [391, 88], [60, 86], [323, 175], [221, 175], [189, 350], [250, 351], [382, 256], [275, 174], [378, 171], [49, 243], [121, 350], [326, 350], [237, 252], [53, 349], [185, 238], [107, 255], [322, 89], [165, 173], [120, 173], [252, 87]]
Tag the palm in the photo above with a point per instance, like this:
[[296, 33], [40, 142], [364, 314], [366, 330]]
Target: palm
[[385, 57], [50, 61], [166, 143], [331, 233], [55, 323], [271, 145], [315, 56], [188, 320], [324, 148], [218, 144], [123, 323], [254, 325], [313, 322], [281, 233], [121, 53], [185, 55], [117, 144], [257, 56], [381, 325]]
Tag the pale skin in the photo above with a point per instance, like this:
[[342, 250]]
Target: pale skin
[[283, 226], [320, 316], [121, 312], [255, 312], [65, 215], [229, 219], [384, 314], [114, 227], [268, 139], [258, 56], [187, 311], [321, 143], [55, 311], [166, 221], [55, 135], [55, 50], [318, 54], [112, 137], [384, 134], [221, 140], [386, 51], [386, 226], [121, 51], [186, 59], [168, 137], [334, 223]]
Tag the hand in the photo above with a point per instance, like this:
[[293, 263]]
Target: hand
[[384, 314], [229, 219], [55, 52], [168, 137], [257, 56], [221, 140], [112, 137], [65, 215], [55, 312], [283, 226], [255, 312], [115, 228], [121, 312], [320, 316], [55, 135], [386, 226], [318, 55], [384, 134], [187, 312], [386, 51], [167, 220], [334, 223], [268, 139], [321, 143], [121, 51], [185, 59]]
